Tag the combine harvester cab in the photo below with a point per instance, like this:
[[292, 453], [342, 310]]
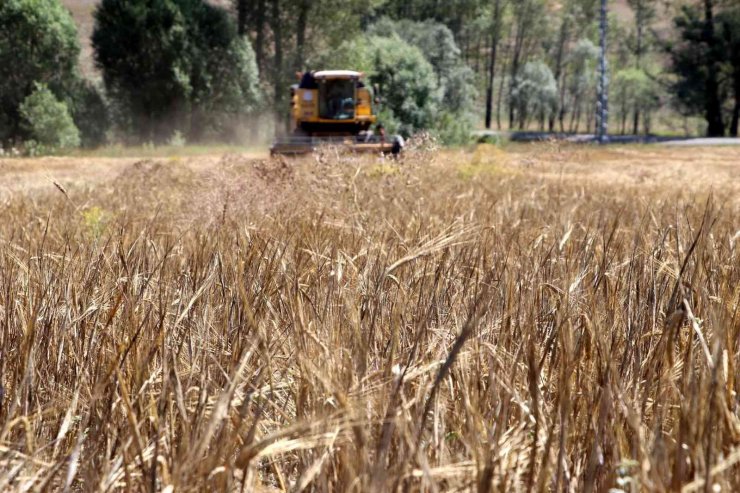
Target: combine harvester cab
[[334, 107]]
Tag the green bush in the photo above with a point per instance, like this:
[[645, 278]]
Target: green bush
[[453, 128], [48, 121]]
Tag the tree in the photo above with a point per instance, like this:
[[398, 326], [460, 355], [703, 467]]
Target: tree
[[696, 60], [142, 49], [645, 12], [528, 15], [174, 65], [632, 88], [729, 33], [716, 127], [535, 94], [48, 121], [437, 44], [582, 65], [687, 61], [455, 81], [495, 38], [38, 44], [91, 114]]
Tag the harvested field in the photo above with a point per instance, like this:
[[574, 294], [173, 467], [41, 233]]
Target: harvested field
[[542, 318]]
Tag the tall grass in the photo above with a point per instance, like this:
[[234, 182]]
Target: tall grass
[[318, 325]]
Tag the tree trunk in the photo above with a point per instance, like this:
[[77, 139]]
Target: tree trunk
[[303, 9], [492, 61], [562, 41], [516, 57], [477, 55], [624, 116], [259, 43], [715, 127], [736, 110], [575, 119], [639, 21], [500, 97], [562, 110], [242, 10]]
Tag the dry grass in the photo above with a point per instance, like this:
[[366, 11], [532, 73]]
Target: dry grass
[[494, 322]]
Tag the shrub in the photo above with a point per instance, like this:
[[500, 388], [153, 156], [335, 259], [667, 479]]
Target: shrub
[[48, 121], [453, 129]]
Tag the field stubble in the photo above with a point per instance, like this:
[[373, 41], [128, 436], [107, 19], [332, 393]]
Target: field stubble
[[541, 320]]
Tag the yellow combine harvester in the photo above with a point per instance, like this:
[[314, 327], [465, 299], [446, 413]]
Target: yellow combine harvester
[[334, 107]]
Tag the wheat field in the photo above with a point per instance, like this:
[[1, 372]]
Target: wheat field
[[536, 319]]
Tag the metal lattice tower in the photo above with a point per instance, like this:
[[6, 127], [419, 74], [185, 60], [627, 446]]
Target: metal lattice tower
[[602, 106]]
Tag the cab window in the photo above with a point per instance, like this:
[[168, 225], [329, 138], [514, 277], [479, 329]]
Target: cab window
[[337, 99]]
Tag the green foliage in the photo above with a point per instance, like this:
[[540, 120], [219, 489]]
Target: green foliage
[[688, 56], [706, 63], [456, 14], [453, 128], [433, 39], [582, 62], [223, 75], [91, 114], [535, 93], [729, 34], [174, 65], [48, 121], [38, 44], [337, 20], [632, 88], [438, 45]]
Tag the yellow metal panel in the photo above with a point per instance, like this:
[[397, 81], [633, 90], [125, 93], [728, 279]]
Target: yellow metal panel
[[307, 105], [364, 106]]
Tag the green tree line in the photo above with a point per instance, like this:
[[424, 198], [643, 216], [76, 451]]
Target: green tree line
[[194, 70]]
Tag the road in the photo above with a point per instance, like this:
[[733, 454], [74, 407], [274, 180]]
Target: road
[[613, 139]]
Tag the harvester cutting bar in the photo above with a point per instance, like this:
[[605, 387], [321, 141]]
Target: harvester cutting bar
[[298, 144]]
